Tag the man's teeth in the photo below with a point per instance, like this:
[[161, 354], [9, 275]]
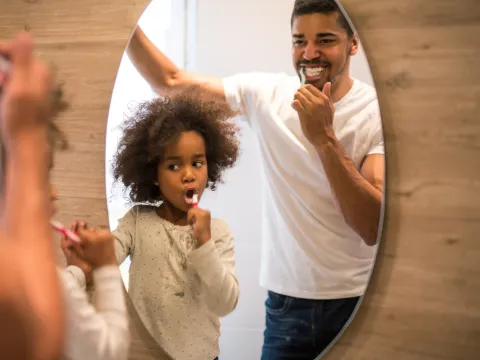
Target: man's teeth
[[313, 71]]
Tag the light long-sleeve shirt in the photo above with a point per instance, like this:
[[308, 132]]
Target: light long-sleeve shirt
[[179, 291], [97, 330]]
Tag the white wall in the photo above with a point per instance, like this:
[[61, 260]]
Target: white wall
[[163, 22], [238, 36], [230, 36]]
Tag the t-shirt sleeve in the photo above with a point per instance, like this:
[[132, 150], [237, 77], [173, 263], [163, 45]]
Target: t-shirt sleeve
[[377, 145], [125, 235], [248, 92]]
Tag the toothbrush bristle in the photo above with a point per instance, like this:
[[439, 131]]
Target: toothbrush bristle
[[302, 76]]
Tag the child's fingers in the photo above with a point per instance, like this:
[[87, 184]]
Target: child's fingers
[[75, 247], [66, 251], [82, 226], [63, 242], [74, 226], [86, 236], [191, 218]]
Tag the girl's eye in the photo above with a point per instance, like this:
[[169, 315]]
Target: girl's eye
[[197, 164], [173, 167]]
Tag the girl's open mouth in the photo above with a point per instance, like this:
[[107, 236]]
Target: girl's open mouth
[[189, 196]]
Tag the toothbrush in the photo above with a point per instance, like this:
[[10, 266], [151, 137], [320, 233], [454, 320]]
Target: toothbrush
[[195, 200], [302, 76], [63, 230]]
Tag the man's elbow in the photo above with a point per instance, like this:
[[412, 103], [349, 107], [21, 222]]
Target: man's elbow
[[370, 236], [163, 86]]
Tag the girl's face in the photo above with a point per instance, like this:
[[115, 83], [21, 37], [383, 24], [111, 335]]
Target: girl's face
[[183, 168]]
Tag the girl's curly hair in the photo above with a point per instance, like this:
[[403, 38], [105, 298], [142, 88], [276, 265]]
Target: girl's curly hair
[[160, 122]]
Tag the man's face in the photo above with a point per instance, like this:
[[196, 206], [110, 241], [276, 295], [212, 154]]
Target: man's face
[[322, 47]]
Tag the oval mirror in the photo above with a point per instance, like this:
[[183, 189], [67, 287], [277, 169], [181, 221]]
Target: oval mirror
[[292, 238]]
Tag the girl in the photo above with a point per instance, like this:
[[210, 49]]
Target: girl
[[181, 277]]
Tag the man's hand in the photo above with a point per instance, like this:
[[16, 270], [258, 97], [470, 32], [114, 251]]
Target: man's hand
[[315, 110]]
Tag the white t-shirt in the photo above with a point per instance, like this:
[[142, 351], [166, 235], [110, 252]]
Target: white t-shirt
[[308, 250]]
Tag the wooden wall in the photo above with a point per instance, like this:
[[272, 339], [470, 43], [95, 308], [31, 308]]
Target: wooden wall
[[424, 300]]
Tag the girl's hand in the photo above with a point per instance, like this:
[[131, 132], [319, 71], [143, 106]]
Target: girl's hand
[[72, 256], [200, 220]]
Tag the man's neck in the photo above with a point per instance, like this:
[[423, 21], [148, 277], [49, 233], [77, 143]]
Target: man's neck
[[341, 88]]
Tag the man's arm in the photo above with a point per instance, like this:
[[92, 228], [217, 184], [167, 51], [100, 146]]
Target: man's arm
[[160, 72], [359, 193]]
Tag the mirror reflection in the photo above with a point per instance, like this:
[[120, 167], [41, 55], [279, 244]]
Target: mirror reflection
[[276, 131]]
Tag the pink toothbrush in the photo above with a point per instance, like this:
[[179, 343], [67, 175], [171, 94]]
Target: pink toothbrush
[[63, 230]]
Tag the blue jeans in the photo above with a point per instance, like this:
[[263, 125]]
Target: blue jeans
[[300, 329]]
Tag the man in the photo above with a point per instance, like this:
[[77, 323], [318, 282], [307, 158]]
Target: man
[[31, 301], [322, 148]]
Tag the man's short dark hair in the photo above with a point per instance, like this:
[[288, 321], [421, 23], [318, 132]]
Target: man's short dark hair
[[307, 7]]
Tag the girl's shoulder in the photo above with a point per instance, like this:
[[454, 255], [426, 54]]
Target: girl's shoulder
[[140, 209]]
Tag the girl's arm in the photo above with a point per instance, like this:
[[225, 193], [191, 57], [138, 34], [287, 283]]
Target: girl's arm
[[99, 331], [125, 235], [215, 264]]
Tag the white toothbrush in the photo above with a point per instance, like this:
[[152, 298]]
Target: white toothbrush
[[195, 200], [302, 76]]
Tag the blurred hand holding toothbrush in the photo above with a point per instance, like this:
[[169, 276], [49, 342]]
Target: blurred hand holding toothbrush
[[95, 248]]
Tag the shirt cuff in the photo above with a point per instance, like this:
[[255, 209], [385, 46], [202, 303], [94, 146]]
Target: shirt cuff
[[108, 287], [106, 272]]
